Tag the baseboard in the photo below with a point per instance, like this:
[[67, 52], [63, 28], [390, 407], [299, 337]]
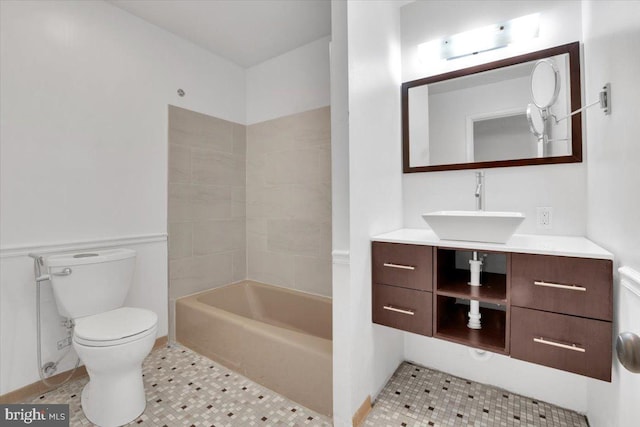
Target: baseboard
[[362, 412], [29, 391]]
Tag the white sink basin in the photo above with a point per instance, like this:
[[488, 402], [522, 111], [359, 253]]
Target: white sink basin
[[474, 226]]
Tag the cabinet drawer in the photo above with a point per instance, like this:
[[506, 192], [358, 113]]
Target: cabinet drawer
[[401, 308], [397, 264], [570, 343], [578, 286]]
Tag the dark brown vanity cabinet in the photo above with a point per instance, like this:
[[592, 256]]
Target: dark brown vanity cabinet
[[562, 308], [550, 310], [407, 266], [577, 286], [454, 294], [570, 343], [402, 284]]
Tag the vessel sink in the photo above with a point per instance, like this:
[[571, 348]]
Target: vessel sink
[[474, 226]]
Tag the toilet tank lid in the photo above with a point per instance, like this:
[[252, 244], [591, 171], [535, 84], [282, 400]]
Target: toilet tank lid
[[89, 257], [115, 324]]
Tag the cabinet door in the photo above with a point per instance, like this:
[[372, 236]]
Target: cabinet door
[[570, 343], [397, 264], [402, 308], [578, 286]]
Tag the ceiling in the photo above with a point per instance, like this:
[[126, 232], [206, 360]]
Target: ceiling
[[246, 32]]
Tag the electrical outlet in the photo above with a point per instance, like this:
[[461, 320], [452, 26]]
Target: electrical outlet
[[545, 217], [66, 342]]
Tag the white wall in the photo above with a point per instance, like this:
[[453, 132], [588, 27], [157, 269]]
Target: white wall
[[291, 83], [83, 157], [367, 354], [612, 36], [561, 187], [517, 189], [426, 20], [546, 384], [341, 292]]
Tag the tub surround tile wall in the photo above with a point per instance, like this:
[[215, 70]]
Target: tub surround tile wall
[[249, 202], [289, 201], [206, 208]]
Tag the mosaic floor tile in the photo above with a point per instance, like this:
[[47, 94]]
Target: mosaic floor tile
[[416, 396], [187, 389], [184, 388]]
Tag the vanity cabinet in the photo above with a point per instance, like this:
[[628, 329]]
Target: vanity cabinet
[[454, 294], [407, 266], [571, 343], [401, 308], [562, 308], [577, 286], [402, 284], [553, 310]]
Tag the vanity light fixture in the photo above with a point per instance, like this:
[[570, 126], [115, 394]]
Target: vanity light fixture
[[483, 39]]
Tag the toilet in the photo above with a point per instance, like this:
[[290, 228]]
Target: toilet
[[111, 340]]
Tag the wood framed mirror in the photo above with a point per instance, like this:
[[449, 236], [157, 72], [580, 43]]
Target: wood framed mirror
[[477, 117]]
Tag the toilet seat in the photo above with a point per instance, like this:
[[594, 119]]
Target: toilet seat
[[115, 327]]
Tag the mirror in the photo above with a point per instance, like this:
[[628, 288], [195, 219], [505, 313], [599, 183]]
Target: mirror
[[536, 120], [496, 114], [545, 83]]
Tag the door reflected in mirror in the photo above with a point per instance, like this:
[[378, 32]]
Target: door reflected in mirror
[[496, 114]]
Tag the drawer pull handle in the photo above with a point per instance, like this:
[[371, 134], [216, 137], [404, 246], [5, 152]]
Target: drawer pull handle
[[399, 310], [557, 344], [559, 286], [400, 266]]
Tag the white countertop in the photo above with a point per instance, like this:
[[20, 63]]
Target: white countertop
[[572, 246]]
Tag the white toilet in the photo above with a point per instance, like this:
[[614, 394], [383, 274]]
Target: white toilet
[[110, 339]]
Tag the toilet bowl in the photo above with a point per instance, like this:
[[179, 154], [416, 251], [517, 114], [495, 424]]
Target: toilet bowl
[[112, 346], [111, 340]]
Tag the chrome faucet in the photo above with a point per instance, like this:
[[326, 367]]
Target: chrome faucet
[[479, 191]]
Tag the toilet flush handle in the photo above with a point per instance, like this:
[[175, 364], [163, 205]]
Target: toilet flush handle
[[65, 272]]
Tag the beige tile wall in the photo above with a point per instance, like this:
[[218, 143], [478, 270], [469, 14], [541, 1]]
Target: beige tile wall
[[289, 201], [207, 221], [249, 202]]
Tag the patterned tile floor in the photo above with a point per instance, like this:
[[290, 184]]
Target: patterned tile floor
[[187, 389], [416, 396]]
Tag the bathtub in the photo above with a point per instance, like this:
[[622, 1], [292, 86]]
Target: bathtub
[[277, 337]]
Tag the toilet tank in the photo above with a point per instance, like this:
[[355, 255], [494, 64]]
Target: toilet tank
[[91, 282]]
